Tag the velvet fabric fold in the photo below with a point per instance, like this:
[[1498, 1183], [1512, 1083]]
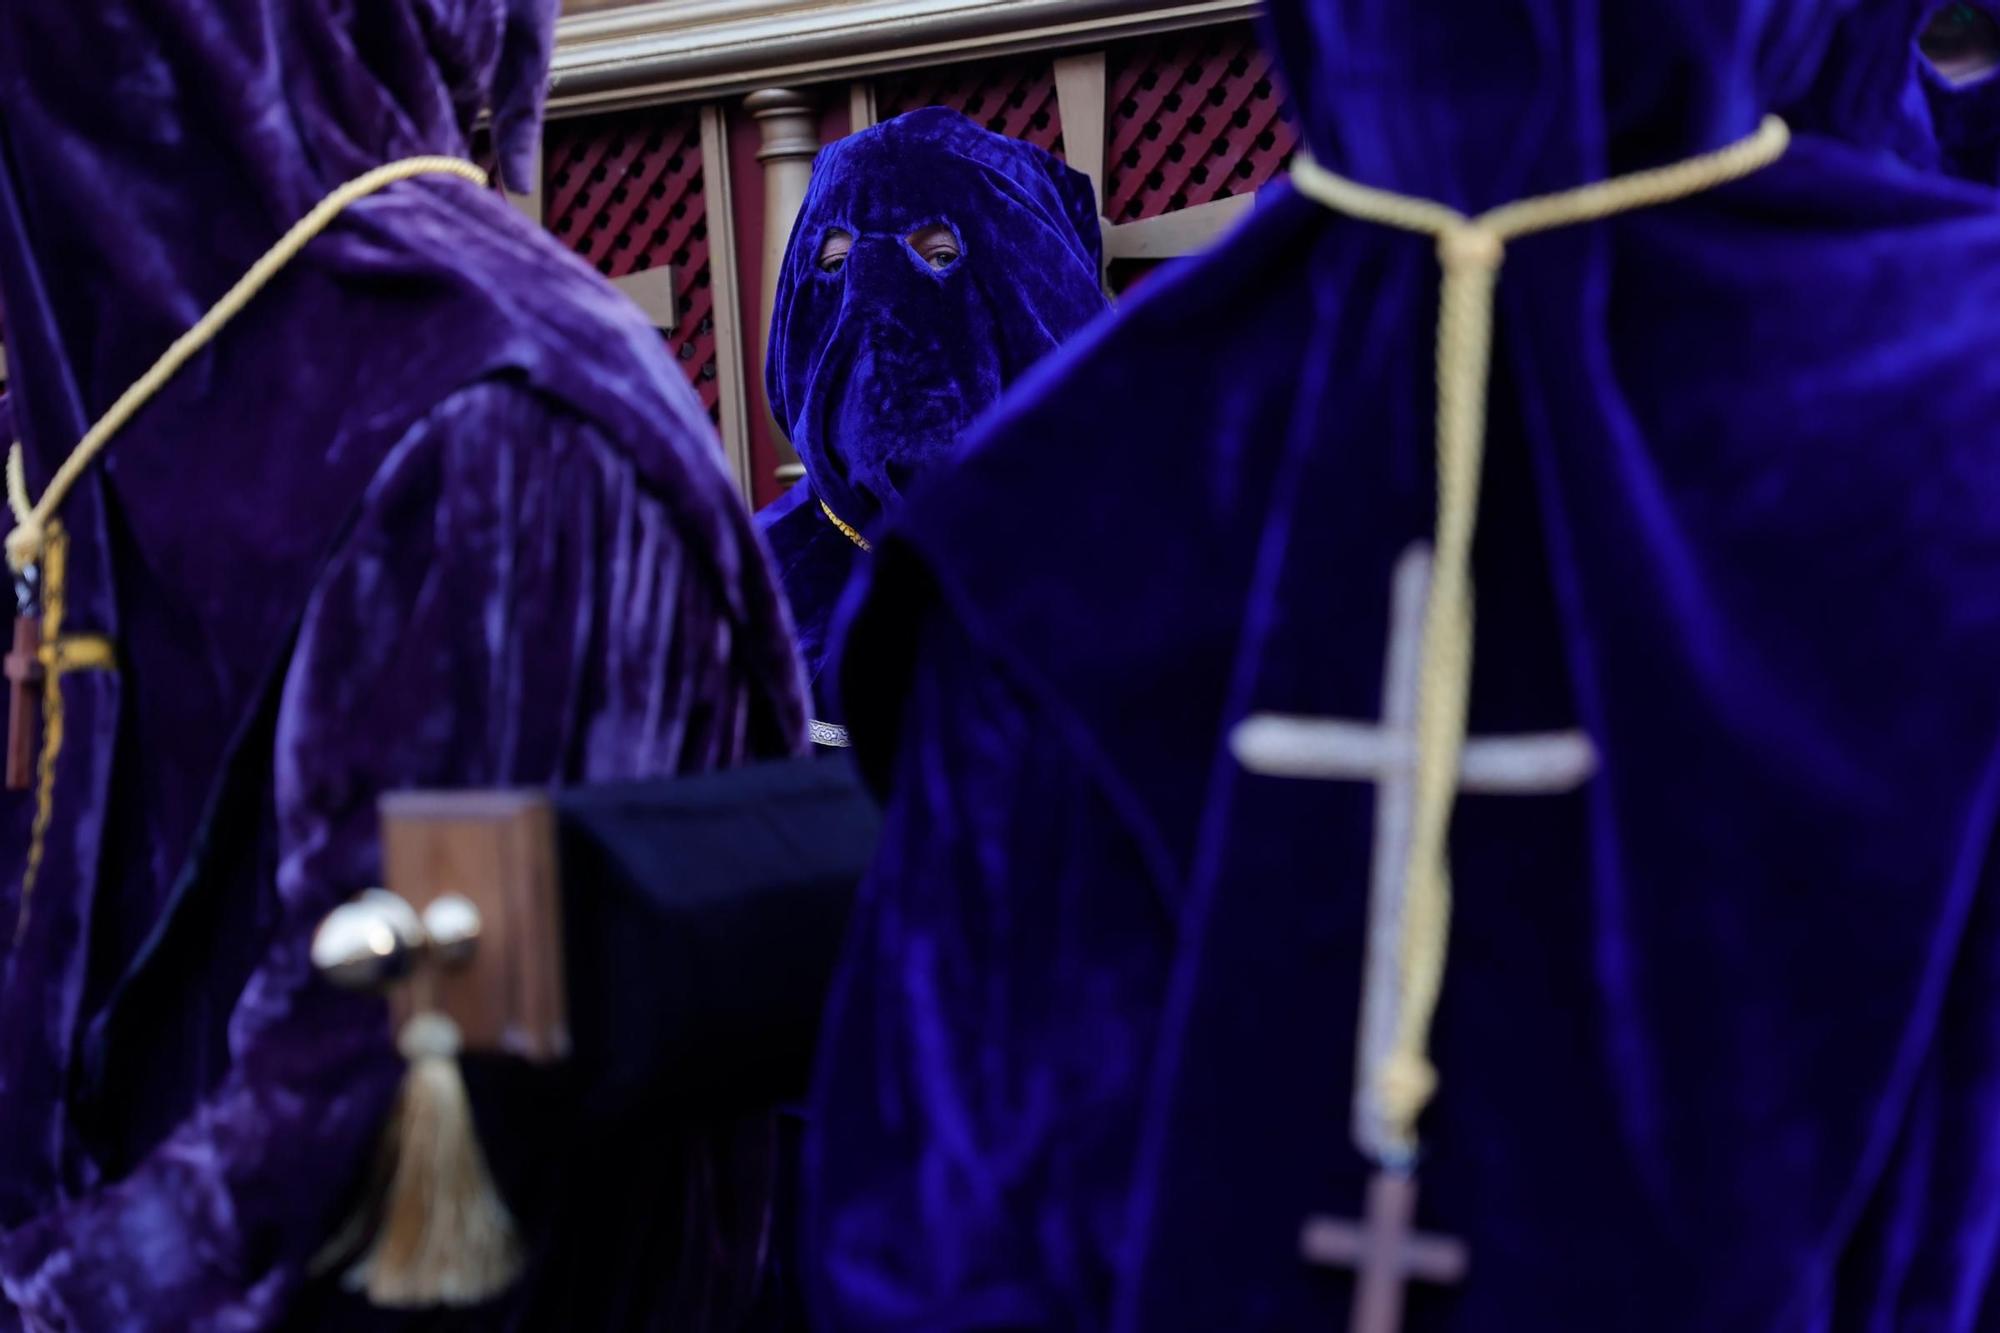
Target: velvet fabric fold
[[435, 510], [1716, 1040], [878, 366]]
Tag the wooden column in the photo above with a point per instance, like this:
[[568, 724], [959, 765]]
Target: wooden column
[[788, 130], [861, 111], [725, 283]]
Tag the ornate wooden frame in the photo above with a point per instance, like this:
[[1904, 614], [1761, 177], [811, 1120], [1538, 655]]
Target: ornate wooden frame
[[651, 51]]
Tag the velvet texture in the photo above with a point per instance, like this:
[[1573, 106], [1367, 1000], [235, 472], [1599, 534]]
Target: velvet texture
[[436, 510], [877, 369], [1718, 1039]]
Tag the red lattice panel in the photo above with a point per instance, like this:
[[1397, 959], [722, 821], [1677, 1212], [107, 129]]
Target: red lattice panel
[[1012, 97], [1195, 116], [625, 192]]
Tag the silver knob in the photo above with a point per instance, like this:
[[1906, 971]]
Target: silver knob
[[452, 923], [368, 943]]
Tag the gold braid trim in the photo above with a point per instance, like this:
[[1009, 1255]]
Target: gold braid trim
[[60, 656], [1471, 250], [847, 529]]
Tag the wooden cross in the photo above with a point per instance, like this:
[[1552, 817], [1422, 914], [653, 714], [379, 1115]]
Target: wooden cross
[[1385, 753], [41, 655], [24, 701], [1384, 1252]]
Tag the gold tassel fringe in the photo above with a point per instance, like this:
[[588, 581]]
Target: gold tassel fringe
[[446, 1237]]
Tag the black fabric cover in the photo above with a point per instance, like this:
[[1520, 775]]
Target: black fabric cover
[[704, 918]]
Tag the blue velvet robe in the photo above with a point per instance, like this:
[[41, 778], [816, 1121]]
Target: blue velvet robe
[[434, 511], [1720, 1036], [876, 370]]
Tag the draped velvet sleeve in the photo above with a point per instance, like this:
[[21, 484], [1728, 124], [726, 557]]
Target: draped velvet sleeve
[[990, 1034], [512, 607]]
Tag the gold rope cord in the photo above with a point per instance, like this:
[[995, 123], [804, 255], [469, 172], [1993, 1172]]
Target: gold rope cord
[[1471, 250], [847, 529], [25, 542]]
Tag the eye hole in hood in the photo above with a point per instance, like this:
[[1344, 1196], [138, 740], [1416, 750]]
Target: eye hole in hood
[[1962, 42]]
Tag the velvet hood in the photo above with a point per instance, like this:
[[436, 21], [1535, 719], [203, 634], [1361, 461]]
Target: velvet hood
[[1717, 1034], [877, 369]]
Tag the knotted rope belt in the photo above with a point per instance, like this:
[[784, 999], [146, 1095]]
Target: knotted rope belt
[[1471, 250]]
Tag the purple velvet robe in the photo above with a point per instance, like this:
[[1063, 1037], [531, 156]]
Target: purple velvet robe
[[1720, 1035], [436, 510]]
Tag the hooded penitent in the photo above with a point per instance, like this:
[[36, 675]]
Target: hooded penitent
[[1717, 1038], [435, 510], [879, 363]]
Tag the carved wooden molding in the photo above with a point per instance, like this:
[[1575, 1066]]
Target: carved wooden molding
[[679, 50]]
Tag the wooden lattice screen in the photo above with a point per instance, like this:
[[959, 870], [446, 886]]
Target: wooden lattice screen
[[1194, 117], [1013, 97], [625, 192]]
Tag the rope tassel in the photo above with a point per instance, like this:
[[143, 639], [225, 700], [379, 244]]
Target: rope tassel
[[434, 1231], [445, 1236]]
